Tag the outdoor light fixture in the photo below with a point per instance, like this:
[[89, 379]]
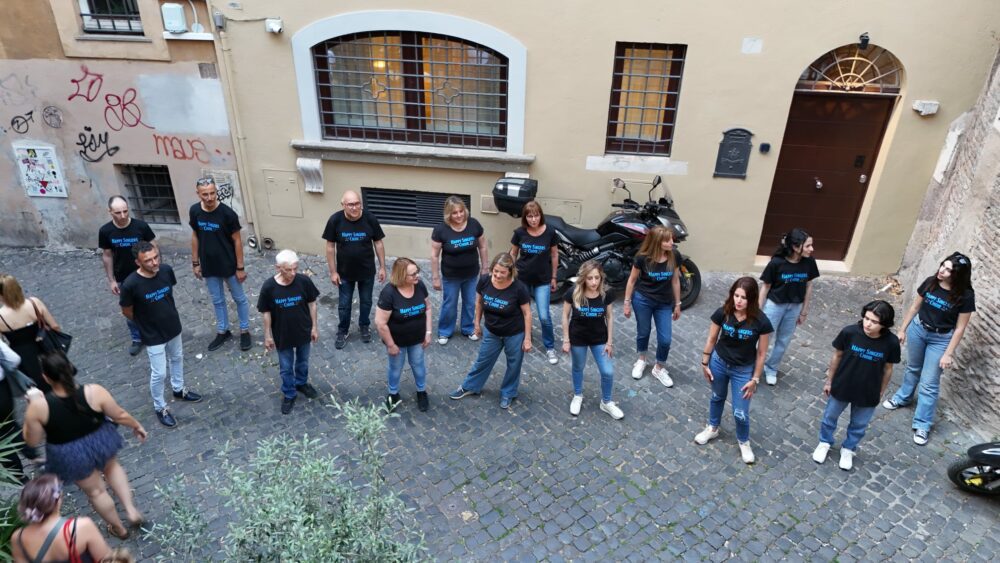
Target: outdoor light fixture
[[863, 40]]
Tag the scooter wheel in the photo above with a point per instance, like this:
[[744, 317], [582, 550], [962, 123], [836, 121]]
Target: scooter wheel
[[975, 477]]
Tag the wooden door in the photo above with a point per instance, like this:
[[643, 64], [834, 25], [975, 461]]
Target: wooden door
[[827, 156]]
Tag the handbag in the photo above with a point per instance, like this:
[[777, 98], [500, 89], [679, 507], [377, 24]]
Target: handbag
[[50, 339]]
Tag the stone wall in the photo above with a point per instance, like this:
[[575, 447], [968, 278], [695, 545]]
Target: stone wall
[[962, 212]]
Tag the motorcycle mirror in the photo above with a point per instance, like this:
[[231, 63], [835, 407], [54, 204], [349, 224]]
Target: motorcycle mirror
[[617, 183], [657, 180]]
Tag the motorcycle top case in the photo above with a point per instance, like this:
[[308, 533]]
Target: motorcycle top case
[[510, 194]]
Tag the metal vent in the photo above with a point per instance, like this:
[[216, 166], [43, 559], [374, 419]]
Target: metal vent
[[408, 207]]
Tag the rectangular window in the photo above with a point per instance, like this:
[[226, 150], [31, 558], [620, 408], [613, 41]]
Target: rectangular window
[[150, 193], [117, 17], [645, 87], [407, 207]]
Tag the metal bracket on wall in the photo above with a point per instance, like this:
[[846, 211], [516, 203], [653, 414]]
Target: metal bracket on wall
[[311, 170]]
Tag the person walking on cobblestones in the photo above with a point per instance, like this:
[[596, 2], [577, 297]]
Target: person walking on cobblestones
[[533, 245], [940, 314], [786, 292], [733, 360], [403, 320], [588, 326], [353, 240], [460, 243], [505, 305], [116, 239], [288, 303], [859, 372], [80, 427], [147, 298], [654, 291], [19, 319], [217, 258]]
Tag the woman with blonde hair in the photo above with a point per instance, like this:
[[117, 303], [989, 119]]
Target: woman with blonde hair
[[588, 324], [654, 292], [458, 243], [19, 320], [403, 320]]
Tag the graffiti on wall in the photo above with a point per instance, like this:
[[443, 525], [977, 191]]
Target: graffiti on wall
[[94, 146], [41, 175], [88, 86], [22, 123], [15, 90]]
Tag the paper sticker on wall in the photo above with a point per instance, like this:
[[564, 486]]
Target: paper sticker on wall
[[227, 183], [41, 174]]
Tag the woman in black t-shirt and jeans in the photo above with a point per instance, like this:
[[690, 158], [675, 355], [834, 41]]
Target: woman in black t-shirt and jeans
[[403, 320], [461, 246], [533, 245], [940, 312]]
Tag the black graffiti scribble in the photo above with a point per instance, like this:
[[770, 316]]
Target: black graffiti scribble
[[88, 86], [20, 122], [52, 116], [93, 148], [15, 90], [225, 190]]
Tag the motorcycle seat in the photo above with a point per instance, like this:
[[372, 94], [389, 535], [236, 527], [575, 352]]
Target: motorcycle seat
[[578, 236]]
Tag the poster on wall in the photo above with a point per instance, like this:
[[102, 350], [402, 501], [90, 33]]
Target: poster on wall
[[41, 174], [228, 184]]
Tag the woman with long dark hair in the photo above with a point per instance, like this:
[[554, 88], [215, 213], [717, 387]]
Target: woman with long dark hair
[[785, 294], [19, 320], [48, 536], [459, 244], [733, 358], [533, 245], [403, 320], [931, 331]]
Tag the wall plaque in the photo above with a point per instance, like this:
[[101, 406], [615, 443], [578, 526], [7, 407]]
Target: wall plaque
[[734, 154]]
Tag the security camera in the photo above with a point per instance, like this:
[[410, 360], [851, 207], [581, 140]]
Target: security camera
[[273, 25]]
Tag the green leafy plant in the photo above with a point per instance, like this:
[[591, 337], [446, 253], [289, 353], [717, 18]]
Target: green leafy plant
[[10, 485], [294, 502]]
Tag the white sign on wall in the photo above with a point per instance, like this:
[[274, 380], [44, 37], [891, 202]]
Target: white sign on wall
[[41, 174]]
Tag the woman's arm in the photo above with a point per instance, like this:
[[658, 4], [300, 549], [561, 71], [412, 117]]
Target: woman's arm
[[100, 397], [629, 288], [435, 266], [758, 366], [956, 338], [555, 265], [567, 308], [675, 285], [610, 319], [910, 313], [764, 289], [382, 327], [832, 369], [89, 539], [35, 417], [514, 249], [706, 353], [429, 324], [478, 317], [484, 257], [805, 304], [886, 376], [526, 312], [46, 315]]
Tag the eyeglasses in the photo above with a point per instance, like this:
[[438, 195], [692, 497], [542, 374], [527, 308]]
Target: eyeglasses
[[352, 204], [413, 274], [206, 181]]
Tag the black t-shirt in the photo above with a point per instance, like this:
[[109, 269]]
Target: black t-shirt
[[408, 317], [355, 244], [534, 256], [589, 325], [502, 307], [858, 379], [937, 311], [788, 280], [216, 249], [120, 243], [656, 279], [291, 323], [459, 249], [737, 343], [152, 302]]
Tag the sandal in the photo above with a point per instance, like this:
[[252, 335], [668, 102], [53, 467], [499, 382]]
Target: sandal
[[111, 531]]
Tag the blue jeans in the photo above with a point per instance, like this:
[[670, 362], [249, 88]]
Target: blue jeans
[[489, 351], [541, 294], [604, 367], [923, 372], [219, 300], [345, 295], [860, 417], [133, 330], [416, 355], [160, 356], [783, 317], [726, 376], [293, 365], [646, 311], [451, 289]]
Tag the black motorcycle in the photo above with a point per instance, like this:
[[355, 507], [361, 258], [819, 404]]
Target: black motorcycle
[[979, 472]]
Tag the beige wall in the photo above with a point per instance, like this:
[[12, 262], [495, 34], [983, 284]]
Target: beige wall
[[569, 54]]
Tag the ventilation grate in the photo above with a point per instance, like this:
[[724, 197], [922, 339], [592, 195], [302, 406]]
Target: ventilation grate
[[408, 207]]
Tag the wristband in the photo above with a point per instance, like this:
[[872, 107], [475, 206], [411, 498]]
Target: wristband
[[704, 364], [240, 269], [755, 381], [196, 264]]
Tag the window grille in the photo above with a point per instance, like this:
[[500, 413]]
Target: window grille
[[407, 87], [408, 207], [645, 87], [850, 68], [119, 17], [150, 193]]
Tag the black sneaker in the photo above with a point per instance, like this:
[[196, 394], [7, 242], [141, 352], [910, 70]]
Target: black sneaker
[[219, 340], [341, 341], [245, 341], [422, 402], [189, 396], [366, 334], [166, 418], [308, 390], [287, 404], [392, 400], [134, 348]]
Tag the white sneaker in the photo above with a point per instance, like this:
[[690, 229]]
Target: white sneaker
[[661, 375], [819, 454], [442, 340], [705, 435], [551, 355], [771, 379], [473, 337], [746, 452], [575, 404], [612, 409], [637, 368], [846, 459]]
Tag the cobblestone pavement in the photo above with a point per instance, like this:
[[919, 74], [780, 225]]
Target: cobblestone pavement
[[534, 483]]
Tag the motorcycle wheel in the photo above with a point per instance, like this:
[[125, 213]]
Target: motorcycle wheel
[[975, 477], [690, 283]]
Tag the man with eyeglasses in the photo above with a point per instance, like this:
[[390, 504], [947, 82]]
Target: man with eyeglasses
[[217, 257], [353, 239], [116, 238]]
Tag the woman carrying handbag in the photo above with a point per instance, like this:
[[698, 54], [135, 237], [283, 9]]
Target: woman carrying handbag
[[20, 320]]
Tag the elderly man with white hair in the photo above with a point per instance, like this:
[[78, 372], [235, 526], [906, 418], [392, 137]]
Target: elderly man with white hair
[[288, 303]]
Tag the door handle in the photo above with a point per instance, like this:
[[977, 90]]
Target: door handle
[[819, 185], [862, 179]]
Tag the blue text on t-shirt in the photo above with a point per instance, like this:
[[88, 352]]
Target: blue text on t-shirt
[[495, 302], [208, 226], [532, 248], [157, 295], [866, 354], [463, 242], [413, 310], [286, 302], [353, 236]]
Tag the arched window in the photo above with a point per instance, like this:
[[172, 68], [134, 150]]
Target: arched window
[[850, 68]]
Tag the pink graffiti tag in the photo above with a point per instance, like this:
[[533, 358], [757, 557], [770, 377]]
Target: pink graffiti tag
[[88, 86], [122, 111]]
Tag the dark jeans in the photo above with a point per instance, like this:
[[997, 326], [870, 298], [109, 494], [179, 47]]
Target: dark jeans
[[293, 366], [346, 296]]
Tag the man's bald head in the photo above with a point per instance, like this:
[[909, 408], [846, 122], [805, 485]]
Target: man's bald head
[[351, 202]]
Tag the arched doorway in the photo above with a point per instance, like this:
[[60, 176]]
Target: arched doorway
[[839, 113]]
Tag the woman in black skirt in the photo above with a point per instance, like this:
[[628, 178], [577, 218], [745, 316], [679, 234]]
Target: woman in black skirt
[[82, 441]]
